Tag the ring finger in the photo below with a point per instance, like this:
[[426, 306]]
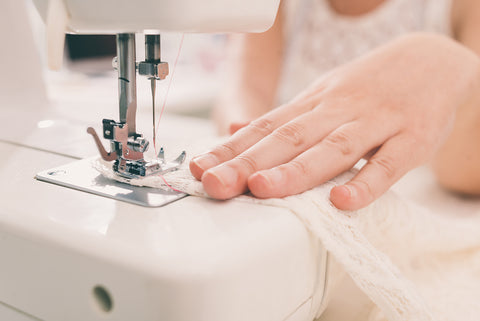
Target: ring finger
[[286, 142], [338, 152]]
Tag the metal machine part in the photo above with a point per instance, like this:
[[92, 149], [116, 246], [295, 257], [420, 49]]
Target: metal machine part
[[128, 146], [153, 69], [127, 80], [80, 175]]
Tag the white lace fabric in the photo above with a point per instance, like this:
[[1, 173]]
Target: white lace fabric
[[411, 263]]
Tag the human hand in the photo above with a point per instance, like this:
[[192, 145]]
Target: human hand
[[395, 105]]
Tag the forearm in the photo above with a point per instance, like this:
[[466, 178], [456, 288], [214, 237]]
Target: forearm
[[457, 163], [252, 75]]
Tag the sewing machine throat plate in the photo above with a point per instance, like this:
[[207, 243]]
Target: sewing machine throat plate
[[80, 175]]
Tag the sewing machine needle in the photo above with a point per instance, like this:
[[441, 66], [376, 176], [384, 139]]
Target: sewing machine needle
[[153, 87]]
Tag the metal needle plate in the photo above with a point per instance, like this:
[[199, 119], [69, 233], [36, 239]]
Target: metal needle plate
[[81, 176]]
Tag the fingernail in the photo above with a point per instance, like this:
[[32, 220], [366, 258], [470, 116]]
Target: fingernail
[[273, 176], [206, 161], [350, 191], [226, 175]]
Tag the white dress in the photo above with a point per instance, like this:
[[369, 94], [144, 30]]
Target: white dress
[[319, 39]]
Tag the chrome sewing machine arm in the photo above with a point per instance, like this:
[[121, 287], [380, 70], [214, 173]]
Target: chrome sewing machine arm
[[128, 146]]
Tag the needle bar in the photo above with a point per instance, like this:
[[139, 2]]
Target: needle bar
[[153, 86]]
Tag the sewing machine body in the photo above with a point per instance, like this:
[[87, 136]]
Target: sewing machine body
[[193, 259], [121, 16]]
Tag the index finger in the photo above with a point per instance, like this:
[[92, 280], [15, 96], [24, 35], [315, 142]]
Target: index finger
[[250, 135]]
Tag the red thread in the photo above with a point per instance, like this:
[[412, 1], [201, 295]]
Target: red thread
[[166, 94], [170, 186], [163, 109]]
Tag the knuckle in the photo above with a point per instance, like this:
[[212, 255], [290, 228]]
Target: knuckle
[[300, 167], [226, 150], [263, 126], [248, 162], [309, 103], [341, 141], [365, 186], [291, 133], [386, 164]]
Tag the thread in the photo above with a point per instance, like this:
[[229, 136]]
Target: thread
[[163, 109], [170, 186], [166, 94]]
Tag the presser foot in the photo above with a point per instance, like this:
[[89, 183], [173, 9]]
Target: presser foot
[[128, 153], [142, 168]]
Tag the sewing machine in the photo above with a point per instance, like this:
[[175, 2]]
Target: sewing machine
[[70, 255], [125, 19]]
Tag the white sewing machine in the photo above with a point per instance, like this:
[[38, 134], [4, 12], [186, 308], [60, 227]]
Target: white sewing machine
[[69, 255]]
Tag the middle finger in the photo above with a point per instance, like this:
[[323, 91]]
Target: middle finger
[[282, 145], [251, 134]]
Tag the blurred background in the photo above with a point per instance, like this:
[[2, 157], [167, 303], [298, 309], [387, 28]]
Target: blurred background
[[88, 74]]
